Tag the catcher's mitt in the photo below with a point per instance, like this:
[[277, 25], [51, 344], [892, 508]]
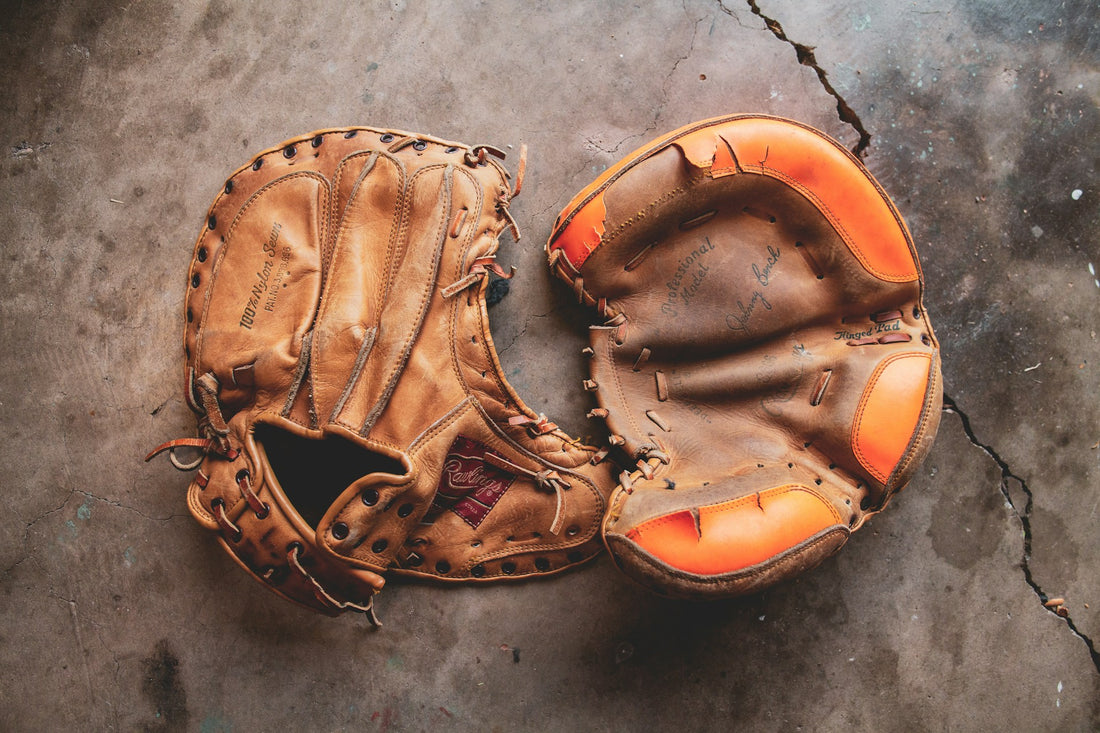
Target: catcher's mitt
[[766, 359], [352, 411]]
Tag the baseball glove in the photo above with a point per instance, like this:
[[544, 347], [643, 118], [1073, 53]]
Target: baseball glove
[[765, 361], [353, 417]]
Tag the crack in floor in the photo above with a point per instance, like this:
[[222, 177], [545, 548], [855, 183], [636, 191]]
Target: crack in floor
[[806, 57], [594, 144], [1007, 475]]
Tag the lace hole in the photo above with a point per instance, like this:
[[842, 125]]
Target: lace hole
[[414, 560], [420, 145], [575, 556], [379, 546], [265, 512], [387, 138], [350, 134], [542, 564], [478, 571], [229, 187], [195, 280], [508, 568], [190, 315], [290, 151], [340, 531], [212, 222], [202, 254], [316, 142], [404, 510], [258, 164], [370, 497], [451, 149], [443, 567], [573, 531]]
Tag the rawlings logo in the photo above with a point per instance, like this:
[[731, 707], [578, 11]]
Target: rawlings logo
[[469, 486]]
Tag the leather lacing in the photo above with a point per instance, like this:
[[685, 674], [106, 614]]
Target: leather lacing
[[213, 431], [545, 480], [293, 557], [648, 456], [215, 442], [482, 267]]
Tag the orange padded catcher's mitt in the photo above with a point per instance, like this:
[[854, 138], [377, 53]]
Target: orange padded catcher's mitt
[[765, 362], [353, 416]]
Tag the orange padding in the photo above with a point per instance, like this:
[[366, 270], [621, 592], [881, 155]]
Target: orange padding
[[583, 233], [737, 534], [805, 159], [842, 189], [889, 412]]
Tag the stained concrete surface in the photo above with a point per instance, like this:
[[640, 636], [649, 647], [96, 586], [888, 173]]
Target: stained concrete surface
[[120, 121]]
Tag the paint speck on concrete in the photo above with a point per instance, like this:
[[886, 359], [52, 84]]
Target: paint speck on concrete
[[84, 512], [1077, 194], [215, 724]]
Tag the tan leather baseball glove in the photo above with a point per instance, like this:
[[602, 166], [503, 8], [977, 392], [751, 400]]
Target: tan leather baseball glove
[[765, 361], [353, 416]]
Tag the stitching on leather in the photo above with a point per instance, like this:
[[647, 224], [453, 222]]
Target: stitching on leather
[[875, 376], [216, 264], [749, 573], [838, 225], [735, 504], [625, 406], [919, 434], [596, 517], [426, 295]]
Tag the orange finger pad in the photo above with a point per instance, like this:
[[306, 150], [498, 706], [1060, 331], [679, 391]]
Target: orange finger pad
[[737, 534], [890, 412], [844, 192]]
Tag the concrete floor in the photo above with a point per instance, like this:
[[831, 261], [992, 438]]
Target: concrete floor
[[121, 120]]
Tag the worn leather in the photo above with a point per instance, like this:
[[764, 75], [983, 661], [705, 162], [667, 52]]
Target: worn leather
[[338, 354], [765, 360]]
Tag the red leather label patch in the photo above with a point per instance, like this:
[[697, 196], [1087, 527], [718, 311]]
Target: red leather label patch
[[469, 486]]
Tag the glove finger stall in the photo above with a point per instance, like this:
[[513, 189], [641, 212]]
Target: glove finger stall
[[353, 409]]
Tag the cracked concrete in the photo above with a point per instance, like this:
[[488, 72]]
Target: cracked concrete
[[806, 57], [123, 119], [1023, 515]]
